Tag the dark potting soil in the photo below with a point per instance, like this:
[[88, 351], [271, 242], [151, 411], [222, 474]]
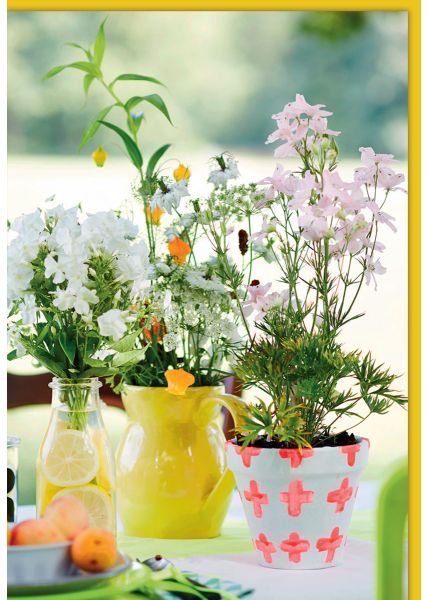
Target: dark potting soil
[[341, 439]]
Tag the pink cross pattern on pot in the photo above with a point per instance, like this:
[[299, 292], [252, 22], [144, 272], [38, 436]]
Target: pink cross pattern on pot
[[295, 545], [247, 454], [341, 495], [265, 546], [295, 455], [351, 452], [257, 498], [331, 544], [295, 497]]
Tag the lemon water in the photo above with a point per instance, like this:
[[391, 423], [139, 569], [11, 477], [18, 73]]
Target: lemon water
[[76, 457]]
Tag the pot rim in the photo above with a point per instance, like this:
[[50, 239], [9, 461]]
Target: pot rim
[[359, 440]]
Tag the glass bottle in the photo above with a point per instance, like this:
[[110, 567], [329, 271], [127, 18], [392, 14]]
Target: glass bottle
[[75, 456]]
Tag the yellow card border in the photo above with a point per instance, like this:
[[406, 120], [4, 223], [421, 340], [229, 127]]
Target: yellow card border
[[413, 7]]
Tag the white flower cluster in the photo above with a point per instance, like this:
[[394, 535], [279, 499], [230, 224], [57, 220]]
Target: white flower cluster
[[57, 257], [196, 307], [168, 196], [228, 169]]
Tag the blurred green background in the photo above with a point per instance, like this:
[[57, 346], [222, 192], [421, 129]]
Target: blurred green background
[[226, 73]]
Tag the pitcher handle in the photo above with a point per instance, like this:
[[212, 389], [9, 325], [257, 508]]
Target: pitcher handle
[[225, 485]]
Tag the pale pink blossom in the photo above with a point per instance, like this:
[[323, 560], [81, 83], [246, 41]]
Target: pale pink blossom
[[277, 181], [373, 267], [381, 216], [320, 125], [389, 179], [265, 303], [369, 157]]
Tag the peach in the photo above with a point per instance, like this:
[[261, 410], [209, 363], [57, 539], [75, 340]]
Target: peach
[[94, 550], [68, 514], [35, 531], [9, 534]]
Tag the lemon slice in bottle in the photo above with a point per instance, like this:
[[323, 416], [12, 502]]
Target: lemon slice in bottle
[[96, 501], [72, 460]]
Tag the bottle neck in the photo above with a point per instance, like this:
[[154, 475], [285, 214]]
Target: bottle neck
[[78, 395]]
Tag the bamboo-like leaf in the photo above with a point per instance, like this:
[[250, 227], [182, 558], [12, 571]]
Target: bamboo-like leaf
[[156, 101], [87, 67], [87, 80], [100, 44], [68, 345], [135, 77], [73, 45], [131, 147], [93, 127], [155, 158], [132, 102]]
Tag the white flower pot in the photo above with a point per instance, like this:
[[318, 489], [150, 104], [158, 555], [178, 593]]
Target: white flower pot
[[298, 504]]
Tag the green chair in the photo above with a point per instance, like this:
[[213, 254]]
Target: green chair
[[391, 529], [30, 423]]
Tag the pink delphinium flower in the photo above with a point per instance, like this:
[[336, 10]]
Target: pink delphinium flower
[[274, 300], [370, 158], [381, 216], [277, 181], [255, 291], [373, 267]]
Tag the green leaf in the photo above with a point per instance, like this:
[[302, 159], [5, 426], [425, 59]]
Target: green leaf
[[87, 80], [100, 44], [131, 146], [127, 358], [12, 355], [126, 343], [155, 158], [134, 77], [88, 67], [54, 71], [132, 102], [156, 101], [68, 345], [93, 127], [99, 372], [73, 45]]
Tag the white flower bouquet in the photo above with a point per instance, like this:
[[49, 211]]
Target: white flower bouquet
[[76, 291]]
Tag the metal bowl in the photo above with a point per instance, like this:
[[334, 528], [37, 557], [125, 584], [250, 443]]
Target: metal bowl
[[39, 563]]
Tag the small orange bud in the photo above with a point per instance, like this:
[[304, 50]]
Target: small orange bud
[[179, 249], [99, 156], [178, 381], [154, 216], [157, 329], [181, 172]]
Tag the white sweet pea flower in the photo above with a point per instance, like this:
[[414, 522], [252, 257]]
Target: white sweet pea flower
[[29, 226], [113, 323], [19, 276], [28, 309]]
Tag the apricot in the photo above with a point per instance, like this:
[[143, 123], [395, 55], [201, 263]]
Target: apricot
[[9, 534], [94, 550], [69, 515], [35, 531]]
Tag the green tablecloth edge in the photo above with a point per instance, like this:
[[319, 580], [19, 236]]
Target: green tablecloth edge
[[235, 539]]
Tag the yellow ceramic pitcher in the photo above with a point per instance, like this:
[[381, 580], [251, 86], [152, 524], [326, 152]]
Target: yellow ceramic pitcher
[[172, 476]]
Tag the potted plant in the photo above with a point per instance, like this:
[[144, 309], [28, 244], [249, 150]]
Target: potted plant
[[297, 468], [173, 479], [75, 286]]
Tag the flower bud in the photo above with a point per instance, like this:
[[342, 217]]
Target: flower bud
[[181, 172], [99, 156]]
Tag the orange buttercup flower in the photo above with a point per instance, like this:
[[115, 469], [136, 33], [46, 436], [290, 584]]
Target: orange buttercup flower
[[154, 216], [178, 381], [157, 329], [179, 250], [181, 172]]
